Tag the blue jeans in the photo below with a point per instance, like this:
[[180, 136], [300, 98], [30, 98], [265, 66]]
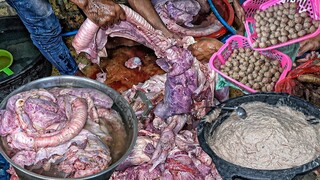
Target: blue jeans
[[45, 30]]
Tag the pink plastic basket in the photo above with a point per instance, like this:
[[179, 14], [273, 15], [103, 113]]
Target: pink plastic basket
[[312, 7], [234, 42]]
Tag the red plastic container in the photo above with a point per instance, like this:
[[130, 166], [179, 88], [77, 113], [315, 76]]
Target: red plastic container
[[226, 11], [234, 42], [312, 7]]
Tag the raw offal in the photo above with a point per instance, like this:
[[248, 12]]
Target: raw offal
[[69, 129], [133, 62], [165, 149], [179, 17], [281, 23], [253, 69], [186, 76]]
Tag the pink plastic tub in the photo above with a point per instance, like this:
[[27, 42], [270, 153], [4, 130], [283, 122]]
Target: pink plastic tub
[[234, 42], [312, 7]]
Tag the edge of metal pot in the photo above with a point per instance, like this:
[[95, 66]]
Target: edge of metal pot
[[75, 81]]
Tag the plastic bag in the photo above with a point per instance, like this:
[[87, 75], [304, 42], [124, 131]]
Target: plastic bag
[[290, 84]]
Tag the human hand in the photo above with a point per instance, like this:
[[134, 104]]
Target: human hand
[[204, 48], [311, 44], [102, 12]]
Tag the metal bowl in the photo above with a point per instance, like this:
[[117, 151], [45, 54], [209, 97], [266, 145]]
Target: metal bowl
[[120, 105], [228, 170]]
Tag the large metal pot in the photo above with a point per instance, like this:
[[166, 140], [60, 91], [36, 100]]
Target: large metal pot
[[120, 105], [229, 170]]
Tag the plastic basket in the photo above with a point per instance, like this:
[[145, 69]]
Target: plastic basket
[[312, 7], [220, 57]]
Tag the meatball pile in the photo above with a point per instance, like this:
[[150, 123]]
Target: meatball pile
[[252, 69], [281, 23]]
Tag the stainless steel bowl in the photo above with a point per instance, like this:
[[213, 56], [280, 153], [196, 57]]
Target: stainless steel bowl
[[120, 105]]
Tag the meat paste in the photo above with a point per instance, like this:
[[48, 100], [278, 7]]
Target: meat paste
[[271, 137]]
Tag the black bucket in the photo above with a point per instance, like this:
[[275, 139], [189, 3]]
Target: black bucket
[[229, 170], [28, 63]]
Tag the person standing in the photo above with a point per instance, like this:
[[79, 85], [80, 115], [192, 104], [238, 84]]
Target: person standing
[[45, 29]]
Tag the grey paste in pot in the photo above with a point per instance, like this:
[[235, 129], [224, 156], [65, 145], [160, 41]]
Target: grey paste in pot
[[270, 138]]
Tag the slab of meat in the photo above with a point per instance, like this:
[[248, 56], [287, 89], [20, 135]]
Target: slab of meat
[[178, 16], [81, 162], [133, 63], [67, 129], [42, 112], [143, 150]]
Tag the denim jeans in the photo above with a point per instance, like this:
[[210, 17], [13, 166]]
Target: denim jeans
[[45, 30]]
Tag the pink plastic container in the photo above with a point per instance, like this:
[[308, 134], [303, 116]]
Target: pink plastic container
[[312, 7], [234, 42]]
